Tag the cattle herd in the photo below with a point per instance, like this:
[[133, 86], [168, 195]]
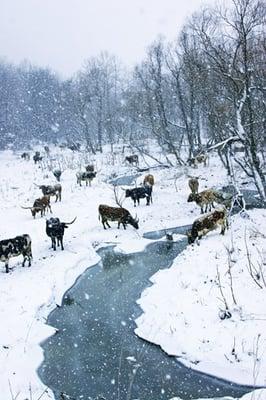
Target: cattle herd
[[21, 245]]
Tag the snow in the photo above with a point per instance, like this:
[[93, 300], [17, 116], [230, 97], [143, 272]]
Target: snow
[[181, 309], [29, 294]]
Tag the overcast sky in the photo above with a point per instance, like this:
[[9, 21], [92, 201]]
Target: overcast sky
[[63, 33]]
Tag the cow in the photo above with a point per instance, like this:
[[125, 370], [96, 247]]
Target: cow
[[148, 180], [40, 205], [25, 156], [193, 184], [119, 214], [20, 245], [37, 157], [55, 229], [143, 192], [52, 190], [134, 159], [47, 150], [207, 198], [200, 158], [57, 174], [89, 168], [85, 176], [206, 224]]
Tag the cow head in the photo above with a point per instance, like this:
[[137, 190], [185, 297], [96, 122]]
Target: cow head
[[128, 193], [191, 197], [133, 221]]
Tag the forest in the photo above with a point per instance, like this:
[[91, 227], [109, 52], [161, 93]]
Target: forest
[[203, 92]]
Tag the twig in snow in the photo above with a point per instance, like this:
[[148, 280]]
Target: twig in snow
[[251, 268], [230, 273]]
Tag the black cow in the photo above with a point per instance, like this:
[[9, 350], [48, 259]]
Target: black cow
[[20, 245], [37, 157], [134, 159], [55, 229], [85, 176], [25, 156], [57, 174], [143, 192]]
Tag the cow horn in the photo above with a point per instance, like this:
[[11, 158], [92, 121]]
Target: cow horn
[[36, 184], [123, 189], [26, 208], [69, 223]]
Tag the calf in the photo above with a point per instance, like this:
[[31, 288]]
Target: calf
[[134, 159], [37, 157], [193, 184], [85, 176], [52, 190], [200, 158], [25, 156], [207, 198], [208, 223], [119, 214], [40, 205], [55, 230], [148, 180], [20, 245], [143, 192]]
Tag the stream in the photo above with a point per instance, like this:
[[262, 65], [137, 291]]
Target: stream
[[95, 353]]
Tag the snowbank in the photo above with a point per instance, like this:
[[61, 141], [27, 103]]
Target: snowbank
[[183, 309]]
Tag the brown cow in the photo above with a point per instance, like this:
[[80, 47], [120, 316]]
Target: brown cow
[[207, 198], [206, 224], [40, 205], [119, 214], [148, 180]]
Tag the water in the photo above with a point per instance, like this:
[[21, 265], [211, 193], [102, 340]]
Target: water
[[125, 180], [96, 353]]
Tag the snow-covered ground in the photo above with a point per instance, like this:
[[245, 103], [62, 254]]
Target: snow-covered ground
[[177, 305]]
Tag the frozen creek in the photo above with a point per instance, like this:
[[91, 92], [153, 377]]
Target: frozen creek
[[95, 353]]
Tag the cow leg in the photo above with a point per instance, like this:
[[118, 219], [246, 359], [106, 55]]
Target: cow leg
[[201, 210], [61, 241], [148, 201], [86, 182], [53, 244], [124, 225], [6, 265], [89, 182], [138, 201], [103, 222], [24, 259], [29, 259]]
